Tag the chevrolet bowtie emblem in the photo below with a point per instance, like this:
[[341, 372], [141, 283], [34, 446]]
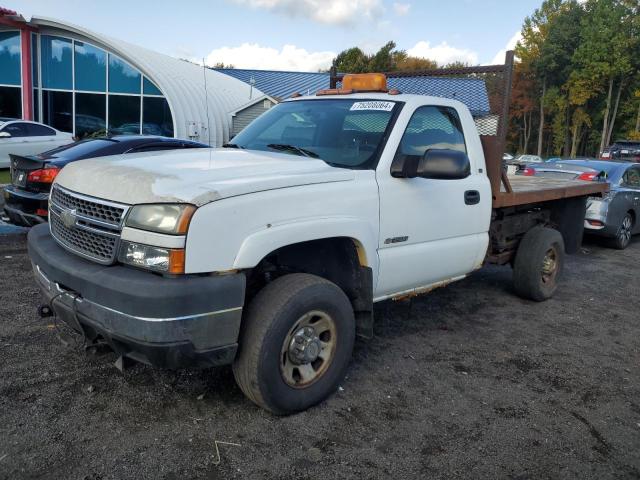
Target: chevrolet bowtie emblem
[[68, 218]]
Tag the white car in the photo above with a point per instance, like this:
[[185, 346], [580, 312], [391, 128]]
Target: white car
[[22, 137], [529, 159]]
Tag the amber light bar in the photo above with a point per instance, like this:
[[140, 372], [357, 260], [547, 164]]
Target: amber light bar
[[359, 82]]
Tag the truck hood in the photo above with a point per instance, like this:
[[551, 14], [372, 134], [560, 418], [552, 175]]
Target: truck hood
[[196, 176]]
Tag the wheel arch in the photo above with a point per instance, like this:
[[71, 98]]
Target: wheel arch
[[260, 244], [339, 259]]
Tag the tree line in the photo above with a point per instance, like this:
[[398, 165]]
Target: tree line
[[577, 82], [387, 59]]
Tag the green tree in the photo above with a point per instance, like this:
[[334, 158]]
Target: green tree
[[605, 51], [529, 51], [384, 60], [352, 60]]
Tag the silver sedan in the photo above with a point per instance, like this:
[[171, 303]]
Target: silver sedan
[[616, 216]]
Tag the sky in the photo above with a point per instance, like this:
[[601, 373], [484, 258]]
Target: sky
[[299, 35]]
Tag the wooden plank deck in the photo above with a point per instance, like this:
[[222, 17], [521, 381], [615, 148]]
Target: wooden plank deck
[[539, 189]]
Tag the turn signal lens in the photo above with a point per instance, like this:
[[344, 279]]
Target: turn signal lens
[[176, 261], [43, 175]]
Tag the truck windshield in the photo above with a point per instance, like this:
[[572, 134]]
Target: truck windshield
[[342, 132]]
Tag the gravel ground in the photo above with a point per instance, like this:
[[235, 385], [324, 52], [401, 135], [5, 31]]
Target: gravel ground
[[466, 382]]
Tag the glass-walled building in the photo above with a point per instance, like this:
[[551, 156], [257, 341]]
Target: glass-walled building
[[83, 89], [88, 84]]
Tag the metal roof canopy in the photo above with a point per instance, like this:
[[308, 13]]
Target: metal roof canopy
[[279, 84], [182, 83]]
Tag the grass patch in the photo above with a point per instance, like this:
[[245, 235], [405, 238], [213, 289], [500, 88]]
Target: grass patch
[[5, 176]]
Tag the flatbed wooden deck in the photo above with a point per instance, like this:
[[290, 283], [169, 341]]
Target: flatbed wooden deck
[[526, 190]]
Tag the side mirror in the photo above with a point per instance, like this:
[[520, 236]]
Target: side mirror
[[5, 135], [435, 164]]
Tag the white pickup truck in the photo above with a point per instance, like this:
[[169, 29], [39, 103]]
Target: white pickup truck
[[270, 253]]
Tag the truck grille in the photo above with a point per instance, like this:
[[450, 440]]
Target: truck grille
[[88, 227], [87, 208]]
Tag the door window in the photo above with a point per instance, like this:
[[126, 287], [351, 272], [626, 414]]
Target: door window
[[17, 129], [631, 178], [36, 130], [432, 128]]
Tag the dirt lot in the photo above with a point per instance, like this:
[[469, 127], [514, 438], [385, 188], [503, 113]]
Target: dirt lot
[[467, 382]]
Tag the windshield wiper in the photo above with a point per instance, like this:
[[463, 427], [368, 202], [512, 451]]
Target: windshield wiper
[[293, 148], [231, 145]]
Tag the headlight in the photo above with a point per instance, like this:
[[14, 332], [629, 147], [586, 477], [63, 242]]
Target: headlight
[[165, 260], [162, 218]]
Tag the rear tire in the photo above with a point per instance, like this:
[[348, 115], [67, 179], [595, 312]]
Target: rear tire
[[623, 234], [538, 264], [296, 341]]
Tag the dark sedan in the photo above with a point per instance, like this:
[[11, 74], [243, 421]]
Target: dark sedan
[[622, 151], [616, 215], [26, 199]]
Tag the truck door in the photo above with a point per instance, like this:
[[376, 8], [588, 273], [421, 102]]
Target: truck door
[[431, 230]]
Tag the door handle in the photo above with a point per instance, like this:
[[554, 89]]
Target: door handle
[[471, 197]]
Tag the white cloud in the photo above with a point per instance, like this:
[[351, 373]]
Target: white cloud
[[333, 12], [443, 53], [401, 8], [253, 55], [511, 44]]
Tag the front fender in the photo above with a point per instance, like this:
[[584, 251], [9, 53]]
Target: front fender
[[259, 244]]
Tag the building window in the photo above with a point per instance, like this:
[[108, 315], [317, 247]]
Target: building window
[[10, 102], [83, 89], [123, 78], [90, 67], [56, 63], [124, 114], [157, 117], [91, 114], [266, 104], [10, 58], [57, 108], [148, 88]]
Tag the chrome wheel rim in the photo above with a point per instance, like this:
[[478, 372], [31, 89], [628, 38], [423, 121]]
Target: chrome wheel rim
[[550, 265], [624, 234], [308, 349]]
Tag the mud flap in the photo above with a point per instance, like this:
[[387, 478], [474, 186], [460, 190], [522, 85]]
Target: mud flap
[[568, 215]]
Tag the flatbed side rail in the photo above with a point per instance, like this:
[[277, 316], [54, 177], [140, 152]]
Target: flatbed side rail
[[485, 89]]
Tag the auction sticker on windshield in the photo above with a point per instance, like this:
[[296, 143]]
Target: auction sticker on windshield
[[373, 105]]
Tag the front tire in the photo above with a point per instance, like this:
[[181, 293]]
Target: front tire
[[296, 341], [538, 264]]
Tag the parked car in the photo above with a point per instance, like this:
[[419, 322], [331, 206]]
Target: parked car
[[623, 151], [524, 159], [614, 216], [26, 199], [516, 165], [23, 137]]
